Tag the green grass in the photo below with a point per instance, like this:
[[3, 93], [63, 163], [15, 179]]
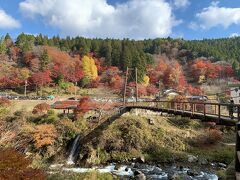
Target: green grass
[[81, 176], [220, 153]]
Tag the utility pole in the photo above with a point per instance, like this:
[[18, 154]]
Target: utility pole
[[159, 86], [25, 88], [126, 82], [136, 79], [125, 87]]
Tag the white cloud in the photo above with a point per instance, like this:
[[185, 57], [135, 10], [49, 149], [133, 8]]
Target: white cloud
[[193, 25], [233, 35], [96, 18], [218, 16], [181, 3], [8, 22]]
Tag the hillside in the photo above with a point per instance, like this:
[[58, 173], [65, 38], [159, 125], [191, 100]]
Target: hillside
[[187, 66]]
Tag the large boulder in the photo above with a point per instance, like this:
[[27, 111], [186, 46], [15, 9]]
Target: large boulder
[[192, 159], [138, 175]]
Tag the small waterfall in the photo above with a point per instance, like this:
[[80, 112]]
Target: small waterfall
[[71, 156]]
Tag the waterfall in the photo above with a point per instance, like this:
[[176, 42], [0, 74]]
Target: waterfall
[[71, 156]]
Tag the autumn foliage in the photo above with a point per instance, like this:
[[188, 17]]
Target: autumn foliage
[[174, 77], [89, 67], [206, 70], [14, 165], [44, 135], [85, 105], [4, 102], [41, 79], [41, 108]]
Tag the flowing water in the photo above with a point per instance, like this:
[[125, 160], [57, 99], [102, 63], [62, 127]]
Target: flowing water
[[71, 156], [151, 172]]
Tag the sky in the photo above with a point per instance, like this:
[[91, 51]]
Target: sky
[[134, 19]]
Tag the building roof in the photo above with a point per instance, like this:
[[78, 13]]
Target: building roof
[[68, 104]]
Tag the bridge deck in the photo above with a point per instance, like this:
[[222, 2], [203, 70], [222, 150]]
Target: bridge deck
[[220, 120]]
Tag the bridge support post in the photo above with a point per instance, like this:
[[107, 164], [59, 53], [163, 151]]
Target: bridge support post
[[237, 159], [219, 114], [238, 113]]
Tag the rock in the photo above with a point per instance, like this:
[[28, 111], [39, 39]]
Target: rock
[[222, 165], [177, 176], [140, 159], [192, 173], [138, 175], [202, 161], [151, 121], [192, 159], [156, 170]]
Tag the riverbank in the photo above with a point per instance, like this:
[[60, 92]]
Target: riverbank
[[140, 137]]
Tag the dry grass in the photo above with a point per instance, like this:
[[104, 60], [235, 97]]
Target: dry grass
[[26, 105]]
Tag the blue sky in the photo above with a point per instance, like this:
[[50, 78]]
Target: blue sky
[[135, 19]]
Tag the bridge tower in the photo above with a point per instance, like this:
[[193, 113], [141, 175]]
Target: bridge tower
[[127, 76]]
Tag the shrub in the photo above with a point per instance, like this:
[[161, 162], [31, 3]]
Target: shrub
[[84, 83], [14, 165], [4, 102], [49, 119], [44, 135], [183, 122], [51, 112], [84, 106], [213, 136], [41, 108], [94, 83]]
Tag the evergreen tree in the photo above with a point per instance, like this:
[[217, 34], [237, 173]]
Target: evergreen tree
[[44, 60], [106, 51], [126, 57], [116, 53], [3, 47], [25, 42]]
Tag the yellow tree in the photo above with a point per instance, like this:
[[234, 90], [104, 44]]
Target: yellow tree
[[146, 80], [89, 67]]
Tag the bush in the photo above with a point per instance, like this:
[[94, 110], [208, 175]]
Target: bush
[[213, 136], [84, 83], [183, 122], [44, 135], [41, 108], [14, 165], [223, 154], [4, 102]]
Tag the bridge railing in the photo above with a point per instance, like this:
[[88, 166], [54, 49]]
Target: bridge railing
[[218, 110]]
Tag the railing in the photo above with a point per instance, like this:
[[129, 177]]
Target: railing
[[223, 113], [218, 111]]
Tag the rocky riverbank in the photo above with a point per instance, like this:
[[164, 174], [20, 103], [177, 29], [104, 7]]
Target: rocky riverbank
[[167, 147]]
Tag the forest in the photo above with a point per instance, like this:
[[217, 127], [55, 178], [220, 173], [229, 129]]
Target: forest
[[162, 63]]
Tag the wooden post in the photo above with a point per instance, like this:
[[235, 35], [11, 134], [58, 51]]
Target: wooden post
[[136, 78], [237, 154], [219, 113], [192, 109], [238, 113], [204, 110], [125, 88], [25, 88]]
